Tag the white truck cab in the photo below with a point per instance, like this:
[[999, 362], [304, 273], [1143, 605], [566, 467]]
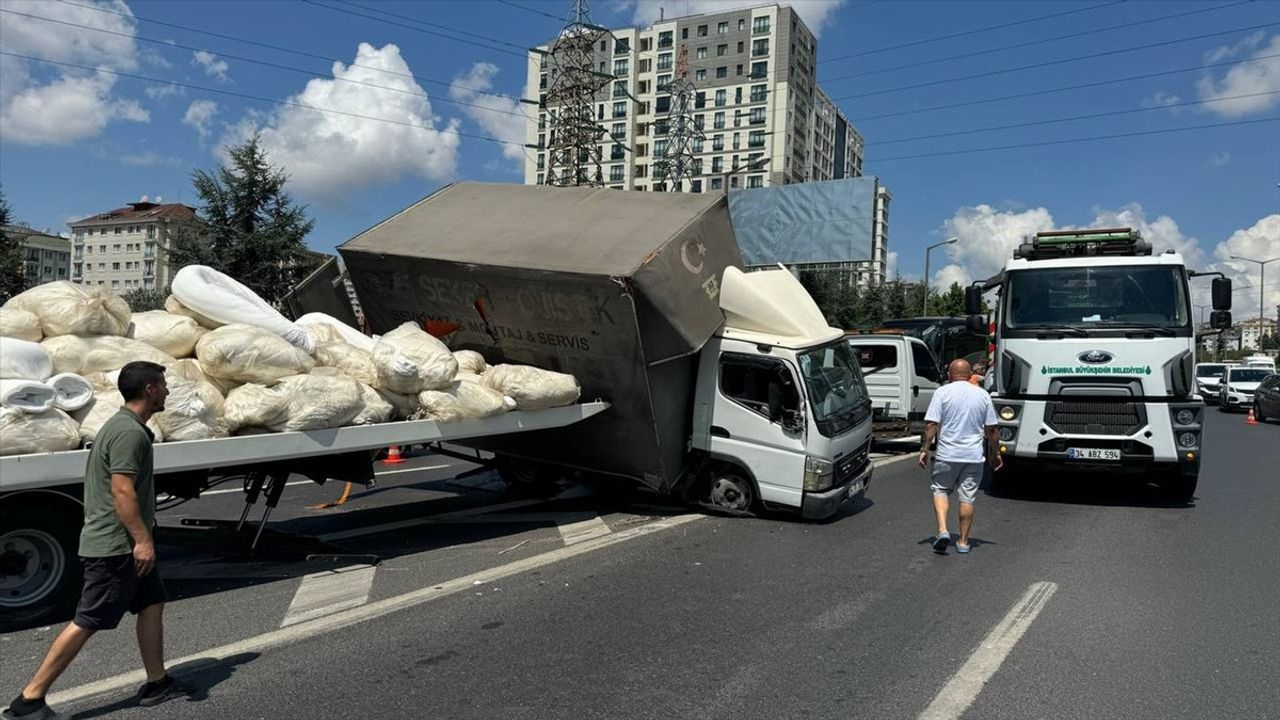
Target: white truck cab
[[901, 375], [1094, 357]]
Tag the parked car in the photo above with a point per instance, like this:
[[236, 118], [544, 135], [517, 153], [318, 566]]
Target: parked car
[[1238, 385], [1266, 399], [1209, 380]]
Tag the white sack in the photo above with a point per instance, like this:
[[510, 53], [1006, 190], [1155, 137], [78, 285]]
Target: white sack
[[193, 410], [18, 323], [30, 396], [50, 431], [174, 306], [470, 362], [256, 406], [322, 333], [242, 353], [533, 388], [105, 404], [70, 391], [377, 409], [173, 334], [222, 298], [84, 355], [317, 402], [410, 361], [331, 328], [461, 401], [65, 308], [189, 369], [23, 360], [405, 405], [349, 359]]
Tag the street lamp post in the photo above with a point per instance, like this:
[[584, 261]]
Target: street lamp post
[[1262, 287], [1202, 308], [924, 306]]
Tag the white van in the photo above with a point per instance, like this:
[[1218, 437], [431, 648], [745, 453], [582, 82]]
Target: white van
[[901, 375]]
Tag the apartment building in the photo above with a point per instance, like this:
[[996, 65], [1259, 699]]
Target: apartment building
[[127, 248], [1253, 330], [46, 257]]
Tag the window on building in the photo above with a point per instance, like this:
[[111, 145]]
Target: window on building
[[665, 39], [621, 67], [646, 65], [642, 87], [759, 69], [695, 186], [88, 249], [722, 28], [699, 101], [737, 143], [701, 53], [151, 232], [620, 89], [700, 75], [115, 248], [642, 149], [702, 31], [118, 230], [717, 121], [699, 121], [740, 46], [619, 130], [759, 93], [717, 143], [757, 116], [717, 164], [617, 152], [615, 173], [664, 81], [720, 98], [721, 50], [684, 33], [739, 74], [760, 47], [620, 109], [756, 139], [742, 25], [602, 70], [644, 108], [662, 104], [661, 129], [542, 161], [755, 181], [760, 25], [697, 145], [660, 147], [642, 129], [542, 179], [641, 171], [115, 283], [646, 44], [622, 46], [717, 183], [737, 93], [664, 61], [722, 72]]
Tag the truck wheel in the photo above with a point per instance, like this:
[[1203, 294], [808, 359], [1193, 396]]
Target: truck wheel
[[39, 573], [528, 476], [1179, 487], [731, 490]]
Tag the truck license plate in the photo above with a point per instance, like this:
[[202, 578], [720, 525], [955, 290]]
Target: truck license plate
[[1093, 454], [855, 488]]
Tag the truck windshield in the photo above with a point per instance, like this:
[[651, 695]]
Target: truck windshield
[[1144, 296], [837, 393]]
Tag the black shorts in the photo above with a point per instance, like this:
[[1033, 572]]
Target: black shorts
[[112, 586]]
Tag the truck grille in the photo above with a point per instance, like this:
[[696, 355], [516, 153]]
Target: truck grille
[[1094, 418], [850, 467]]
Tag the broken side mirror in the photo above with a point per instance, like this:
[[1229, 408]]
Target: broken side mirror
[[1222, 296], [973, 300], [1219, 319], [976, 324]]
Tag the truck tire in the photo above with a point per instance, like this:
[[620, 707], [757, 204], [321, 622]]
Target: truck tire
[[1178, 487], [527, 476], [728, 488], [39, 567]]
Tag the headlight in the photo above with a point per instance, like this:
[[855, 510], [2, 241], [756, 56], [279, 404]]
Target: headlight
[[1187, 439], [1008, 412], [1184, 417], [1005, 433], [818, 474]]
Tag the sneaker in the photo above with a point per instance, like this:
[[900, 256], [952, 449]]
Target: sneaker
[[940, 542], [962, 549], [21, 709], [163, 690]]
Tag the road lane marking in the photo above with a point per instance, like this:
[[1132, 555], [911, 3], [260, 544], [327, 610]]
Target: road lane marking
[[897, 458], [371, 611], [963, 687], [583, 530], [328, 592], [310, 482], [414, 469], [207, 493]]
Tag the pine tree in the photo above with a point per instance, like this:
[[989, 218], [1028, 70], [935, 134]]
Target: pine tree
[[951, 303], [13, 267], [249, 227]]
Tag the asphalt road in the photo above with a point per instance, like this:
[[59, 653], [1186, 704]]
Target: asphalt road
[[1083, 598]]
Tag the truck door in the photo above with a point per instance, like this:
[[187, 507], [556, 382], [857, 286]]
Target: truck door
[[754, 424], [885, 372], [924, 378]]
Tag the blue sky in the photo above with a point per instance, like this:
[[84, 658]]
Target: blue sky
[[73, 142]]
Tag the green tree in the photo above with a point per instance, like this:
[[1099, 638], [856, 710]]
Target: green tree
[[13, 267], [249, 227], [143, 299], [951, 303]]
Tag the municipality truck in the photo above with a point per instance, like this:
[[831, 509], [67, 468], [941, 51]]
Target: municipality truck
[[1095, 356], [725, 387]]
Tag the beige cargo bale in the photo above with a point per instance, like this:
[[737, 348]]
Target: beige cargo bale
[[253, 405], [106, 402], [18, 323], [351, 360], [194, 408], [22, 433], [533, 388], [247, 354], [319, 402], [470, 362], [405, 405], [410, 361], [175, 306], [166, 332], [461, 401], [65, 308], [377, 409], [84, 355]]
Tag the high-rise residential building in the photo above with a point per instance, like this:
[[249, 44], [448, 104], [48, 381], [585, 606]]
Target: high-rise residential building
[[47, 257], [127, 248], [764, 119], [1253, 330]]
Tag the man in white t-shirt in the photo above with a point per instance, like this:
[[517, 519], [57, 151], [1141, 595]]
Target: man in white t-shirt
[[960, 417]]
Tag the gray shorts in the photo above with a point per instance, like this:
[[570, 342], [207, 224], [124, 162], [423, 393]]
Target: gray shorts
[[961, 478]]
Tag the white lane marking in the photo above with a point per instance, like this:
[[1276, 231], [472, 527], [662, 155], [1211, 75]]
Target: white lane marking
[[583, 530], [328, 592], [370, 611], [416, 522], [306, 482], [236, 490], [963, 687], [895, 459], [414, 469]]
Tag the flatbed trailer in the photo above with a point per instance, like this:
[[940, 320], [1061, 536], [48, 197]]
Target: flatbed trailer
[[41, 509]]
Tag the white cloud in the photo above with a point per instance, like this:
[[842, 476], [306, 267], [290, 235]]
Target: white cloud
[[986, 239], [1162, 99], [327, 155], [1249, 77], [951, 274], [42, 104], [1162, 232], [815, 13], [1220, 159], [500, 117], [158, 91], [1260, 242], [891, 265], [199, 116], [1226, 52], [212, 65], [151, 158]]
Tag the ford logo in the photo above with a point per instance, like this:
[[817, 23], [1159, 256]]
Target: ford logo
[[1095, 357]]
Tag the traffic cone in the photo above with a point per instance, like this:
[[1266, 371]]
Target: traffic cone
[[393, 456], [1251, 420]]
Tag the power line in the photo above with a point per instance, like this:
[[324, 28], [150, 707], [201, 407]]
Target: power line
[[1062, 61], [1091, 116], [526, 8], [273, 101], [1068, 141], [448, 28], [1049, 91], [974, 31], [1029, 43], [265, 63], [291, 51], [464, 41]]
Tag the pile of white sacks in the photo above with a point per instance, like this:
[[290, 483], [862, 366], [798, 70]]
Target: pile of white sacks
[[234, 365]]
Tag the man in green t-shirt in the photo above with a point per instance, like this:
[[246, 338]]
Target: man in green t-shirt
[[116, 547]]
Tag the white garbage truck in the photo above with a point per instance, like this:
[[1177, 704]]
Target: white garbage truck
[[1095, 357]]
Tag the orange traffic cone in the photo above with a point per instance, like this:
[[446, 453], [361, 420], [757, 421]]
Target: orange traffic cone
[[393, 456], [1251, 420]]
